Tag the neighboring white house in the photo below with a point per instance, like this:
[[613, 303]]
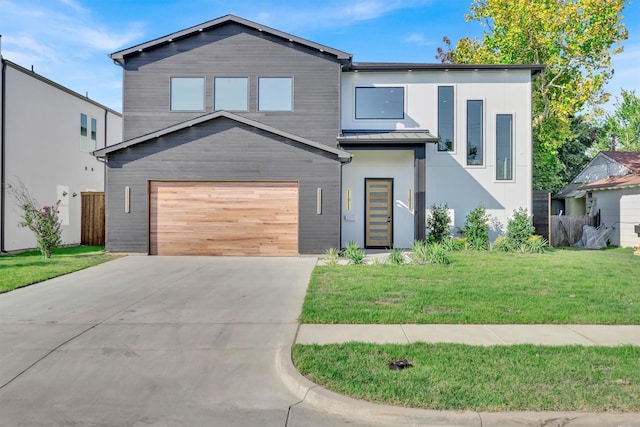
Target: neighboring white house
[[451, 134], [47, 135], [610, 183]]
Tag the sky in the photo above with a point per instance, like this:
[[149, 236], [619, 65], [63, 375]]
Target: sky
[[68, 41]]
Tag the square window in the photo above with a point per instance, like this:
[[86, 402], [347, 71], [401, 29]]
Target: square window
[[275, 94], [231, 93], [379, 103], [187, 93]]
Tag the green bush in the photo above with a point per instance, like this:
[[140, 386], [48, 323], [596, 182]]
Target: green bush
[[419, 251], [354, 253], [519, 229], [331, 256], [476, 228], [396, 256], [439, 223], [537, 244], [437, 254]]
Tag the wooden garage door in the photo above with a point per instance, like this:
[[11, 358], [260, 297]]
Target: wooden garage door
[[223, 218]]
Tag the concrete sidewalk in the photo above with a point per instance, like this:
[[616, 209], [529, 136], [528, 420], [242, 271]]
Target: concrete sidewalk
[[594, 335]]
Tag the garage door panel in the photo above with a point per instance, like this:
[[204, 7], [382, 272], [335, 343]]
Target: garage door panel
[[223, 218]]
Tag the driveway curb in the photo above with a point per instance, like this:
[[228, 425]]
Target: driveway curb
[[321, 398]]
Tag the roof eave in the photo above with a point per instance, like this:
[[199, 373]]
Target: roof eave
[[120, 55]]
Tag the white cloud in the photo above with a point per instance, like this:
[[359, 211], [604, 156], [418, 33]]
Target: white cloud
[[419, 39]]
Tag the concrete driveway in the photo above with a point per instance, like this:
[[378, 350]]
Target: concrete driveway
[[154, 341]]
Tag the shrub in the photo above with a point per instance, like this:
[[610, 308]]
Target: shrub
[[396, 256], [437, 254], [536, 244], [44, 222], [519, 229], [453, 244], [500, 244], [476, 228], [439, 223], [331, 256], [419, 251], [354, 253]]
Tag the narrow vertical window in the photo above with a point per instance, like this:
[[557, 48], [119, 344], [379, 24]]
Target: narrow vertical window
[[187, 93], [474, 132], [94, 135], [275, 94], [83, 132], [445, 118], [504, 147]]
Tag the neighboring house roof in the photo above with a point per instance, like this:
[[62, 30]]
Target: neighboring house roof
[[629, 159], [386, 137], [43, 79], [616, 182], [120, 55], [341, 154], [409, 66]]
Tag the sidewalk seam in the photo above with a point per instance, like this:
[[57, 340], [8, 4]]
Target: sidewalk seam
[[582, 335], [405, 334], [486, 327]]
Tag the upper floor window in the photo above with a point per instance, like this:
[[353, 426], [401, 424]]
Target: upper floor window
[[504, 146], [445, 118], [187, 93], [94, 135], [379, 103], [83, 133], [275, 94], [474, 132], [231, 93]]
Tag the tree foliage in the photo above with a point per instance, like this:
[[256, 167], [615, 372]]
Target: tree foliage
[[573, 38], [624, 123], [573, 155]]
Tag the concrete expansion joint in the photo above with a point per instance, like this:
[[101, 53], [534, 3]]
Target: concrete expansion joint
[[405, 334], [488, 329], [581, 334]]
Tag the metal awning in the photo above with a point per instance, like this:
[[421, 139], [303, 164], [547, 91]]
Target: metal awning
[[386, 137]]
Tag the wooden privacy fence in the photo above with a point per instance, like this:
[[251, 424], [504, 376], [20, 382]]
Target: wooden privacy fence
[[92, 219], [567, 230]]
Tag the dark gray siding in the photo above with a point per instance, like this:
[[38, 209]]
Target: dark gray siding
[[234, 50], [222, 149]]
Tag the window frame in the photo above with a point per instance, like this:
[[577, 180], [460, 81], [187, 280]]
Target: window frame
[[511, 148], [453, 120], [260, 94], [171, 94], [480, 134], [355, 103], [215, 92], [84, 132]]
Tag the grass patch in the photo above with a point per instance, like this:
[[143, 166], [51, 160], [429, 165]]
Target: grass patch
[[30, 267], [556, 287], [461, 377]]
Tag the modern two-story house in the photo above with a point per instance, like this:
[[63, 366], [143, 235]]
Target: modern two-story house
[[242, 139], [47, 134]]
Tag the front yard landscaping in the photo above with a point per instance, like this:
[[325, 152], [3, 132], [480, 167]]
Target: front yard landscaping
[[31, 267], [556, 287], [480, 287]]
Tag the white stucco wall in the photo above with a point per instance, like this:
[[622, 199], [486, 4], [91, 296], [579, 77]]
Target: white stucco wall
[[448, 178], [620, 209], [42, 150], [378, 164]]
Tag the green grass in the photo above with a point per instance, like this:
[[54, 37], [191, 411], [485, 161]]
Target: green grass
[[557, 287], [500, 378], [30, 267]]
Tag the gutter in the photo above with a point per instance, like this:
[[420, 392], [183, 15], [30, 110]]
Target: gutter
[[3, 183]]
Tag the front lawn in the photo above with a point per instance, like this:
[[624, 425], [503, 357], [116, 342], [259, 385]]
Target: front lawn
[[500, 378], [557, 287], [30, 267]]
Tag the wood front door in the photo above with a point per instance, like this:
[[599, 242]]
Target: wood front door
[[379, 212]]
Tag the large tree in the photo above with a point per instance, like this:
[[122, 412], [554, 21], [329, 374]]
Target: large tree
[[573, 38], [623, 124]]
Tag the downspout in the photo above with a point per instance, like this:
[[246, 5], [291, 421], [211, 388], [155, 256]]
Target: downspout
[[3, 163]]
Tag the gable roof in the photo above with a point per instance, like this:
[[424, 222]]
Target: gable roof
[[342, 155], [628, 159], [625, 181], [120, 55]]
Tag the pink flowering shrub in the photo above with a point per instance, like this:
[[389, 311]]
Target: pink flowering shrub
[[45, 224]]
